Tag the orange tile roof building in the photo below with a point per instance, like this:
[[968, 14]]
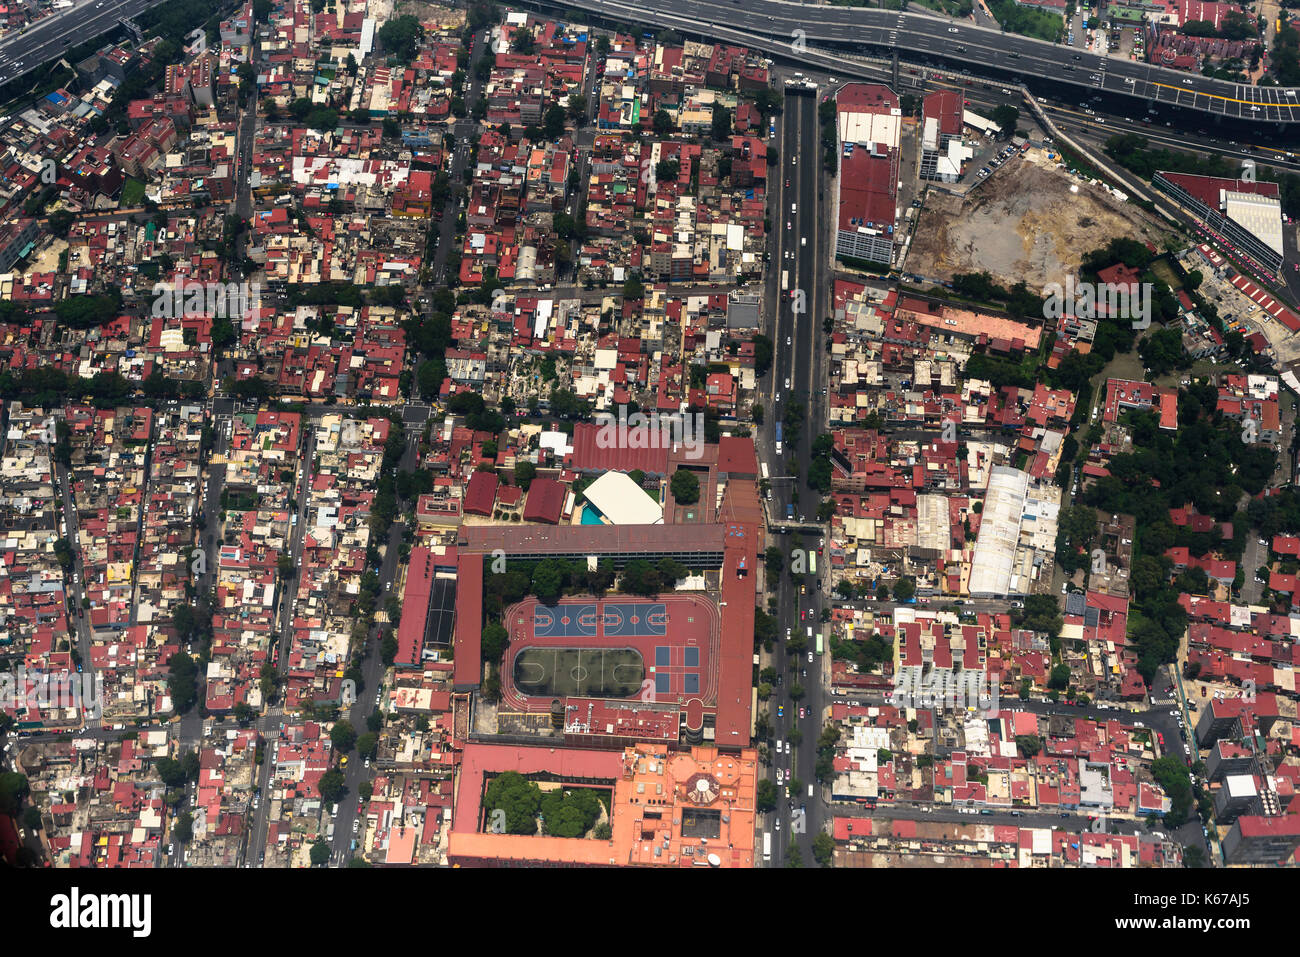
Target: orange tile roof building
[[689, 808]]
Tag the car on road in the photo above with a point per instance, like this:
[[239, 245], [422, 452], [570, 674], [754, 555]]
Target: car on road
[[367, 764], [788, 340], [803, 713], [780, 711], [778, 824], [788, 224], [810, 656], [171, 850], [780, 776], [952, 29], [356, 824]]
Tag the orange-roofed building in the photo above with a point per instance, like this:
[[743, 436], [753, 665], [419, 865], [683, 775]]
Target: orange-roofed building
[[690, 808]]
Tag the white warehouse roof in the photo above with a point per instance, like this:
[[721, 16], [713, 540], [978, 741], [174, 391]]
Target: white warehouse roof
[[622, 501]]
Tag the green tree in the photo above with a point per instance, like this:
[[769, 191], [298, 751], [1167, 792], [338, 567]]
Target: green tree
[[525, 472], [13, 790], [519, 798], [401, 36], [343, 736], [320, 853], [685, 487], [721, 123], [1006, 116], [182, 681], [493, 642], [331, 784], [823, 847]]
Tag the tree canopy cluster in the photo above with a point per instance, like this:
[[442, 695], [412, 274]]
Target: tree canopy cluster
[[564, 812]]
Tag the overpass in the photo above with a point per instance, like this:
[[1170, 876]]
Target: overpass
[[791, 30]]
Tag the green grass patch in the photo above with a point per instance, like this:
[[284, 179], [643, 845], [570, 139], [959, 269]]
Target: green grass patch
[[132, 192]]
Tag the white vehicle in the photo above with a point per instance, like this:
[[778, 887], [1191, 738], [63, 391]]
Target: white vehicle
[[789, 340], [794, 208], [780, 776], [803, 240], [810, 656], [952, 29], [787, 383], [794, 161], [367, 764]]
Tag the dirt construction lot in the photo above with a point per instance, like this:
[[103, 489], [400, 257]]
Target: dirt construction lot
[[1023, 222]]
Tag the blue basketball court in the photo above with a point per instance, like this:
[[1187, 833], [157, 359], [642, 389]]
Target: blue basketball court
[[564, 621], [635, 619]]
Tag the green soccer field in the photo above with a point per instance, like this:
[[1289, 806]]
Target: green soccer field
[[579, 672]]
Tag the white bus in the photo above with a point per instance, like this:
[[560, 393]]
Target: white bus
[[767, 845], [763, 466], [785, 279]]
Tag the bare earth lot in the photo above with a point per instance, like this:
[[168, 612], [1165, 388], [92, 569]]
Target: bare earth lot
[[1022, 223]]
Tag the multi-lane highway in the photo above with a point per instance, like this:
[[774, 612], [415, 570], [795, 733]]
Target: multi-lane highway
[[798, 289], [805, 32], [26, 50]]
